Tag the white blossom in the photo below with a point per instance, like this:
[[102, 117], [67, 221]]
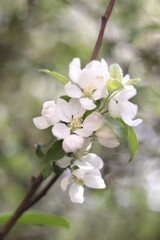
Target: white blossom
[[73, 129], [49, 116], [106, 137], [119, 106], [87, 174], [91, 82]]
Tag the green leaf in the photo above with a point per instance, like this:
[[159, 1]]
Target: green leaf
[[116, 72], [39, 152], [56, 152], [56, 169], [55, 75], [113, 85], [46, 169], [66, 98], [119, 128], [133, 81], [38, 219], [133, 142], [87, 113]]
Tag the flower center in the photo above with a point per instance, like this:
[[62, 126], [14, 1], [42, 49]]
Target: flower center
[[79, 181], [88, 91], [75, 123]]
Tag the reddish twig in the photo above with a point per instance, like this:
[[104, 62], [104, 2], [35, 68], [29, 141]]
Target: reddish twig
[[36, 182], [104, 21], [30, 199], [43, 192]]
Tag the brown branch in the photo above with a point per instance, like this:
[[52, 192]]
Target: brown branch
[[30, 198], [44, 191], [104, 21], [28, 201], [36, 182]]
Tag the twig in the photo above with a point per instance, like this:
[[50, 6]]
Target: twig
[[36, 182], [30, 199], [104, 21], [43, 192]]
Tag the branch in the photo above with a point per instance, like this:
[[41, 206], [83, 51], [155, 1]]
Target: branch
[[44, 191], [36, 182], [30, 198], [104, 21]]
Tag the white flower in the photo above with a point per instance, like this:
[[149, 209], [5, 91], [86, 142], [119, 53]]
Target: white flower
[[103, 133], [49, 116], [91, 80], [87, 174], [72, 128], [119, 106], [72, 143], [89, 162], [106, 137]]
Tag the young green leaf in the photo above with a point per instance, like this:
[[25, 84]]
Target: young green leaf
[[55, 75], [39, 152], [133, 142], [133, 81], [46, 169], [56, 169], [38, 219], [113, 85], [56, 152], [66, 98], [119, 128], [116, 72]]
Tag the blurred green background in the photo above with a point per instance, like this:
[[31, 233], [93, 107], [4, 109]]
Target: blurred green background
[[37, 34]]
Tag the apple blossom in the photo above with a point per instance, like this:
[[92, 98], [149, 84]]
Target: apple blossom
[[78, 121], [119, 106], [49, 116], [90, 82], [87, 174]]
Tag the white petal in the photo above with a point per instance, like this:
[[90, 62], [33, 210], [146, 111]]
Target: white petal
[[49, 104], [72, 90], [95, 172], [61, 131], [127, 93], [50, 115], [79, 173], [75, 70], [76, 193], [82, 164], [64, 162], [128, 109], [84, 132], [94, 160], [87, 103], [114, 109], [65, 182], [75, 62], [106, 137], [86, 78], [93, 121], [128, 112], [105, 65], [94, 181], [125, 79], [72, 143], [77, 109], [99, 93], [41, 122], [64, 111]]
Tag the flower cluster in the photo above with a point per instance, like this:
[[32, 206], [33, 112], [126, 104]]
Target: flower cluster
[[94, 108]]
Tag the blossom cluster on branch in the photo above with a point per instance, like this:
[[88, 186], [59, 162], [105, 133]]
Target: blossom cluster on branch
[[96, 107]]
